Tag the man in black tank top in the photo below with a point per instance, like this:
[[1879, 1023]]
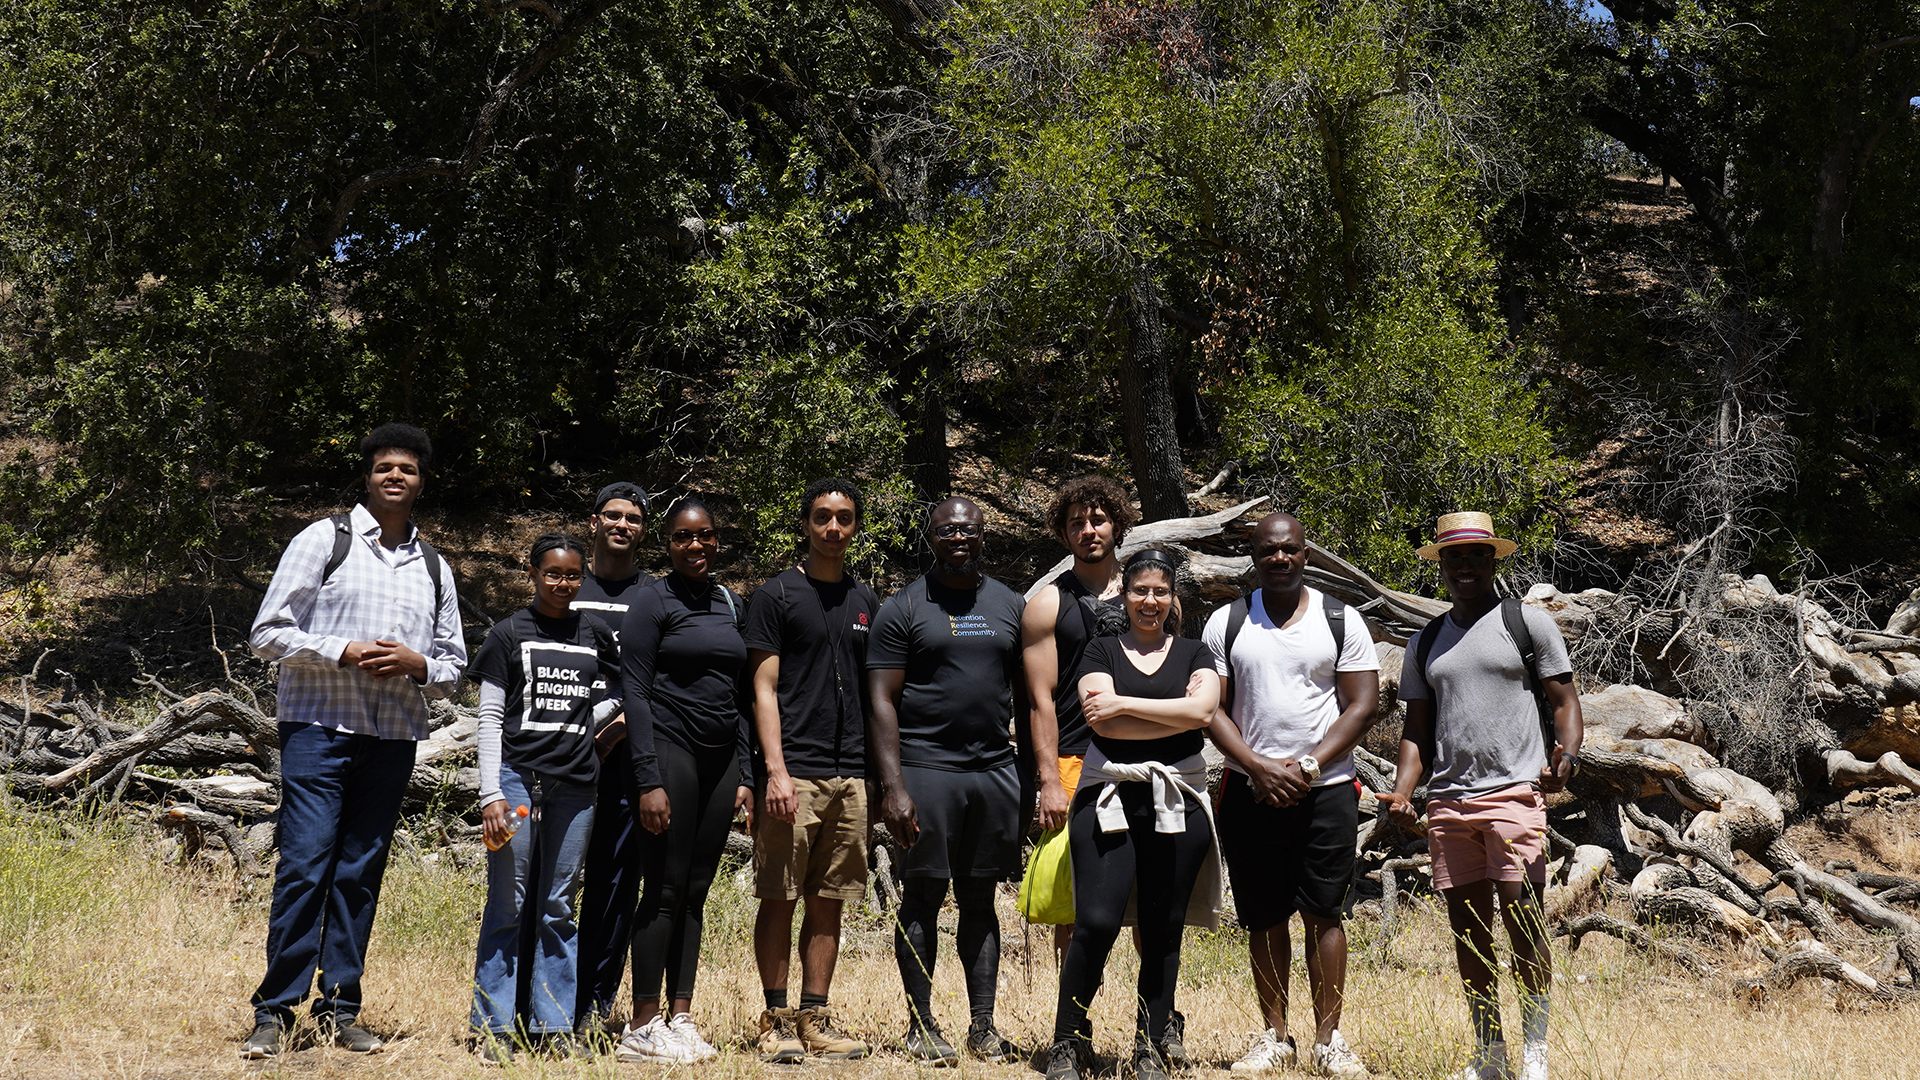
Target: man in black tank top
[[611, 867], [1090, 515]]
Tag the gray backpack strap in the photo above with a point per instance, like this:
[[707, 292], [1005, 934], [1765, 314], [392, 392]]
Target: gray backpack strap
[[1336, 610]]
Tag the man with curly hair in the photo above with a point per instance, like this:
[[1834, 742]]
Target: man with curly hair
[[362, 619]]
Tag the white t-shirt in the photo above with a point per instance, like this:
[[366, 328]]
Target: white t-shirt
[[1283, 690]]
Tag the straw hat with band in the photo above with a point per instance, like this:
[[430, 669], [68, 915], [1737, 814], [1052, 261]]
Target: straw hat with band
[[1466, 527]]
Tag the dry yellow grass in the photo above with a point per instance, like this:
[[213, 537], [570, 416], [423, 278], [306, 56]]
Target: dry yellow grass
[[114, 964]]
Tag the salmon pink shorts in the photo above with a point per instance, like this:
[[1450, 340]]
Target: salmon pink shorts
[[1492, 836]]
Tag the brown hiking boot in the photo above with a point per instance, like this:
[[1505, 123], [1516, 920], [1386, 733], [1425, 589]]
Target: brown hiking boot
[[778, 1044], [823, 1040]]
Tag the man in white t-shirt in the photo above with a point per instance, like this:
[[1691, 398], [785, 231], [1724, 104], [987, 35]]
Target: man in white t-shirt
[[1301, 682]]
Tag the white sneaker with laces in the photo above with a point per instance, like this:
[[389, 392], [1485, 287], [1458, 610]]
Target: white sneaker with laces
[[1533, 1060], [1268, 1053], [1489, 1062], [1335, 1058], [653, 1042], [682, 1028]]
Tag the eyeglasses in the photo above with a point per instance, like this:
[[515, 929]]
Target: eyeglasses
[[1461, 558], [615, 517], [688, 536], [558, 577], [954, 529], [1142, 592]]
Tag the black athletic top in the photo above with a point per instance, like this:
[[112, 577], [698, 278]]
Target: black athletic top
[[1079, 622], [819, 630], [1186, 657], [554, 671], [606, 598], [960, 649], [682, 663]]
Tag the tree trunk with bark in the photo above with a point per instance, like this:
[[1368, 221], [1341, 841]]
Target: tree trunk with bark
[[1146, 405]]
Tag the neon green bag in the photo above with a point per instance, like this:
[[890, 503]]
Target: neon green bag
[[1046, 893]]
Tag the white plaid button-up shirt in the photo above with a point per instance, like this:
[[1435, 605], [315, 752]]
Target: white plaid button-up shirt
[[375, 594]]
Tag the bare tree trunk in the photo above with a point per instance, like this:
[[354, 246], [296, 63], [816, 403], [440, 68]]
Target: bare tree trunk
[[1146, 405], [926, 446]]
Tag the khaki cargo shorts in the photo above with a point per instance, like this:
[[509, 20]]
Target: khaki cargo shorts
[[823, 852]]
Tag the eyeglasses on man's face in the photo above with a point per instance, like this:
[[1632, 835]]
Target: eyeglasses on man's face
[[615, 517], [953, 530], [1455, 557]]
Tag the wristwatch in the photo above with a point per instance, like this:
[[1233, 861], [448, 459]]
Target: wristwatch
[[1310, 767]]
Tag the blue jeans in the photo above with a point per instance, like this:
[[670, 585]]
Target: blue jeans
[[339, 799], [566, 820]]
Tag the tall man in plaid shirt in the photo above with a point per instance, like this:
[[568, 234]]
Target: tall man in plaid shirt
[[360, 640]]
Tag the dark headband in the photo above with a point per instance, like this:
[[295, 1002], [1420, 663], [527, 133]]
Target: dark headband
[[1146, 555]]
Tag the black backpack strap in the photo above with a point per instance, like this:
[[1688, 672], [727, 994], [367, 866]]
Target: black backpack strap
[[1515, 618], [1236, 618], [1421, 653], [434, 571], [342, 543], [1336, 610]]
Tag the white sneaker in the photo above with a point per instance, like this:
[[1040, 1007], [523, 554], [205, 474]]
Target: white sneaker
[[1268, 1053], [653, 1042], [682, 1028], [1533, 1061], [1488, 1062], [1335, 1058]]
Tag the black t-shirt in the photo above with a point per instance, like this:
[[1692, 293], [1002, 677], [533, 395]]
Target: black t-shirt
[[1185, 657], [960, 649], [819, 630], [606, 598], [682, 664], [554, 671], [1080, 621]]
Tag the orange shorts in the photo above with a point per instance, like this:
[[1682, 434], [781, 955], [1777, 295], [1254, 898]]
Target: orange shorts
[[1492, 836], [1070, 772]]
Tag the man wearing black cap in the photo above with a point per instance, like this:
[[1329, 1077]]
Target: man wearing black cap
[[612, 864]]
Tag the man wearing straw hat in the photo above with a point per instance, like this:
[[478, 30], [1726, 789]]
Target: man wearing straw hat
[[1474, 723]]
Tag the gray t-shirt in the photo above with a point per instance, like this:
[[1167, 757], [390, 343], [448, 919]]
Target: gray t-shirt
[[1487, 735]]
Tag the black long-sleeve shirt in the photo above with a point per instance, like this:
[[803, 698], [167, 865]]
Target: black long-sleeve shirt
[[682, 666]]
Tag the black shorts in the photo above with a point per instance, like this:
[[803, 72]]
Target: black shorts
[[969, 823], [1283, 859]]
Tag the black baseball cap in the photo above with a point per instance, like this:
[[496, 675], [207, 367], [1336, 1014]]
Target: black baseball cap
[[620, 489]]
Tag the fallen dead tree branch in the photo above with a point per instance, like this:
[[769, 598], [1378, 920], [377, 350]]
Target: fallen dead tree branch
[[1599, 922]]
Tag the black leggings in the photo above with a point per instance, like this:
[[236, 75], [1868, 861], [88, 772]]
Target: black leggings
[[917, 937], [678, 868], [1107, 868]]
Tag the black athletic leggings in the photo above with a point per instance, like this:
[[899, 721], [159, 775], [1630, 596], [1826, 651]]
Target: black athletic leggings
[[678, 867], [917, 937], [1107, 868]]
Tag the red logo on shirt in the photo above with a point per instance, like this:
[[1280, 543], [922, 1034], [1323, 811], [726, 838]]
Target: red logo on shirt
[[861, 618]]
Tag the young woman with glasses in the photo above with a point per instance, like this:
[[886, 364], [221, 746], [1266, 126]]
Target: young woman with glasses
[[547, 676], [1139, 825], [682, 666]]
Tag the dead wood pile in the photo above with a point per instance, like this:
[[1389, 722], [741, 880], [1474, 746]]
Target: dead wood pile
[[1713, 721]]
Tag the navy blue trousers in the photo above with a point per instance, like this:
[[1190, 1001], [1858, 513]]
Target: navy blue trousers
[[339, 800]]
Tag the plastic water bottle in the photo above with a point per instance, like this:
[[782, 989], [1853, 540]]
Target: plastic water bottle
[[514, 821]]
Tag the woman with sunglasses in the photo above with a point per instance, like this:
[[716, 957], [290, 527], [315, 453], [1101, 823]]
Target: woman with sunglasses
[[682, 664], [545, 675], [1140, 827]]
